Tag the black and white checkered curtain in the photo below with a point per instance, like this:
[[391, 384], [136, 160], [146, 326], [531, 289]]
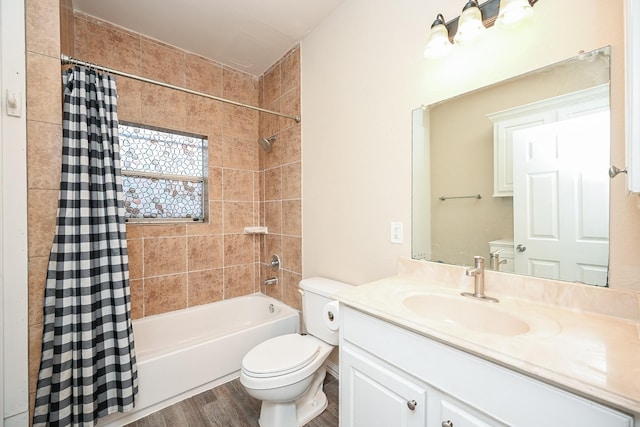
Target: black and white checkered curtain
[[88, 367]]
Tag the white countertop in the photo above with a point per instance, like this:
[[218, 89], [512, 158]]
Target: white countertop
[[592, 354]]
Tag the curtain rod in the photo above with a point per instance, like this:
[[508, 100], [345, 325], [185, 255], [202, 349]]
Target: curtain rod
[[65, 59]]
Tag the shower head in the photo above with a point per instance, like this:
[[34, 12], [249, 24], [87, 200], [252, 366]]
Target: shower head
[[265, 143]]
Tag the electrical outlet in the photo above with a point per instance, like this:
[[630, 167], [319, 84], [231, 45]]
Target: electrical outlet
[[397, 235]]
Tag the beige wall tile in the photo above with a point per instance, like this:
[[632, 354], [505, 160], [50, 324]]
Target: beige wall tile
[[44, 155], [238, 281], [163, 107], [164, 230], [35, 354], [134, 231], [164, 294], [136, 289], [289, 105], [292, 253], [204, 252], [121, 53], [273, 183], [240, 122], [203, 75], [43, 207], [273, 216], [272, 84], [273, 245], [136, 258], [43, 27], [269, 124], [205, 286], [291, 295], [66, 27], [292, 180], [240, 153], [204, 117], [238, 249], [240, 87], [292, 217], [237, 185], [162, 62], [129, 99], [44, 82], [215, 183], [164, 256], [214, 224], [291, 71], [237, 215], [37, 280]]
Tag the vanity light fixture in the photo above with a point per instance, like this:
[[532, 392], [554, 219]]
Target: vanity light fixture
[[475, 18], [512, 11], [438, 43], [470, 25]]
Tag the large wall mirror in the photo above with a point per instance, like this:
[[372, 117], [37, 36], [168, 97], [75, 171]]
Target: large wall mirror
[[518, 172]]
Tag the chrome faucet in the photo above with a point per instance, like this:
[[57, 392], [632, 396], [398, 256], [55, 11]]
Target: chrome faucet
[[478, 281]]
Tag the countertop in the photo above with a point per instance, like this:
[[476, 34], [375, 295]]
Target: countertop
[[589, 353]]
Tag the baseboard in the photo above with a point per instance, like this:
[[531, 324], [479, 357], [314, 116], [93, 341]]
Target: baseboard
[[333, 370]]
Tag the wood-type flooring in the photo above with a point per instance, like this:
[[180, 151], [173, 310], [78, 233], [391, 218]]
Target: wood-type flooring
[[229, 405]]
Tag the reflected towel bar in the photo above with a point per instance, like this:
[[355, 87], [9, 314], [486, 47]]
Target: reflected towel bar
[[475, 196]]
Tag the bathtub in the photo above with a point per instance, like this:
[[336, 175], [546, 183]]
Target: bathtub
[[185, 352]]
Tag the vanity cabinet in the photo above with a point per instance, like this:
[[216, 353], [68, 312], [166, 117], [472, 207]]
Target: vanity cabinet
[[390, 376]]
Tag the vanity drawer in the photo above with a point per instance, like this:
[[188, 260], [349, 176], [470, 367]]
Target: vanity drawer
[[503, 394]]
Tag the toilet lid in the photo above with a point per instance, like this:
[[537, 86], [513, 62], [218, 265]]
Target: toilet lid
[[280, 355]]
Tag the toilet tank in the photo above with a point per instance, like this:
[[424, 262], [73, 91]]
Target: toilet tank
[[318, 291]]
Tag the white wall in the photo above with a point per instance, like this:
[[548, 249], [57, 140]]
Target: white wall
[[13, 225], [362, 74]]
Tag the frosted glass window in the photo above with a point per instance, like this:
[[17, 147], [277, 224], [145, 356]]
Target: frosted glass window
[[163, 173]]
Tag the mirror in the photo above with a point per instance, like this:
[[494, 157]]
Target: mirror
[[537, 145]]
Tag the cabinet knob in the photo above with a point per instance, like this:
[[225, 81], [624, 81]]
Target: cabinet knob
[[521, 248], [411, 404], [447, 423]]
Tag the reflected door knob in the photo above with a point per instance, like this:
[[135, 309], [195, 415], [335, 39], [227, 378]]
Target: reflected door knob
[[447, 423], [521, 248]]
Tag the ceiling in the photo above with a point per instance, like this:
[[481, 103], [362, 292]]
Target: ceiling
[[247, 35]]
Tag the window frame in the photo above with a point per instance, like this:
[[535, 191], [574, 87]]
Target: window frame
[[204, 179]]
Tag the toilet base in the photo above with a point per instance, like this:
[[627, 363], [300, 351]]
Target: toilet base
[[299, 412]]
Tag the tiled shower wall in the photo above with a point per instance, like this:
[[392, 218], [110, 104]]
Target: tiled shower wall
[[172, 266]]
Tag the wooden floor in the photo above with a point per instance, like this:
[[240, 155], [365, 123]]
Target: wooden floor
[[229, 405]]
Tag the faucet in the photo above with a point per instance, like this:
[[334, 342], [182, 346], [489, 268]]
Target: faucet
[[495, 261], [478, 281]]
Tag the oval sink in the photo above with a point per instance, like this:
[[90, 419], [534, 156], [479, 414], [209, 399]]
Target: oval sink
[[479, 316]]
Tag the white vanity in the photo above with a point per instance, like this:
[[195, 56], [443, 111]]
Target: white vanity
[[413, 352]]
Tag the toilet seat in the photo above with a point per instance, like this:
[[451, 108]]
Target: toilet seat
[[280, 356]]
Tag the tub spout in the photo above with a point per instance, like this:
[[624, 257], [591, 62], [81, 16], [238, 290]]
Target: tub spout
[[271, 281]]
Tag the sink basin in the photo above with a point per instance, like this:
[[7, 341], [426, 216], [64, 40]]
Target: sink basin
[[478, 316]]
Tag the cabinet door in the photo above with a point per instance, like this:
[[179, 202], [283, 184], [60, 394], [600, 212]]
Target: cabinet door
[[371, 395], [456, 414]]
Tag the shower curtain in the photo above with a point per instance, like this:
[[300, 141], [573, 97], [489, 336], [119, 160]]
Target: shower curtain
[[88, 368]]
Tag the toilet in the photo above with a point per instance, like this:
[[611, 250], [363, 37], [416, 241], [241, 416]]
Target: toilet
[[287, 372]]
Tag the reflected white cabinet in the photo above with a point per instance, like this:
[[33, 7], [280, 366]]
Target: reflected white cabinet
[[390, 376], [507, 122]]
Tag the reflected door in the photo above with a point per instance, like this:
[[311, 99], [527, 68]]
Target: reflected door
[[560, 199]]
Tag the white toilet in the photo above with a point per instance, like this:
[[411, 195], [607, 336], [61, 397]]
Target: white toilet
[[287, 372]]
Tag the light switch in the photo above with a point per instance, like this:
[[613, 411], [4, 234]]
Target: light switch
[[14, 103], [397, 235]]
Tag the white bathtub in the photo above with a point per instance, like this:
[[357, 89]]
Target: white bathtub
[[185, 352]]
